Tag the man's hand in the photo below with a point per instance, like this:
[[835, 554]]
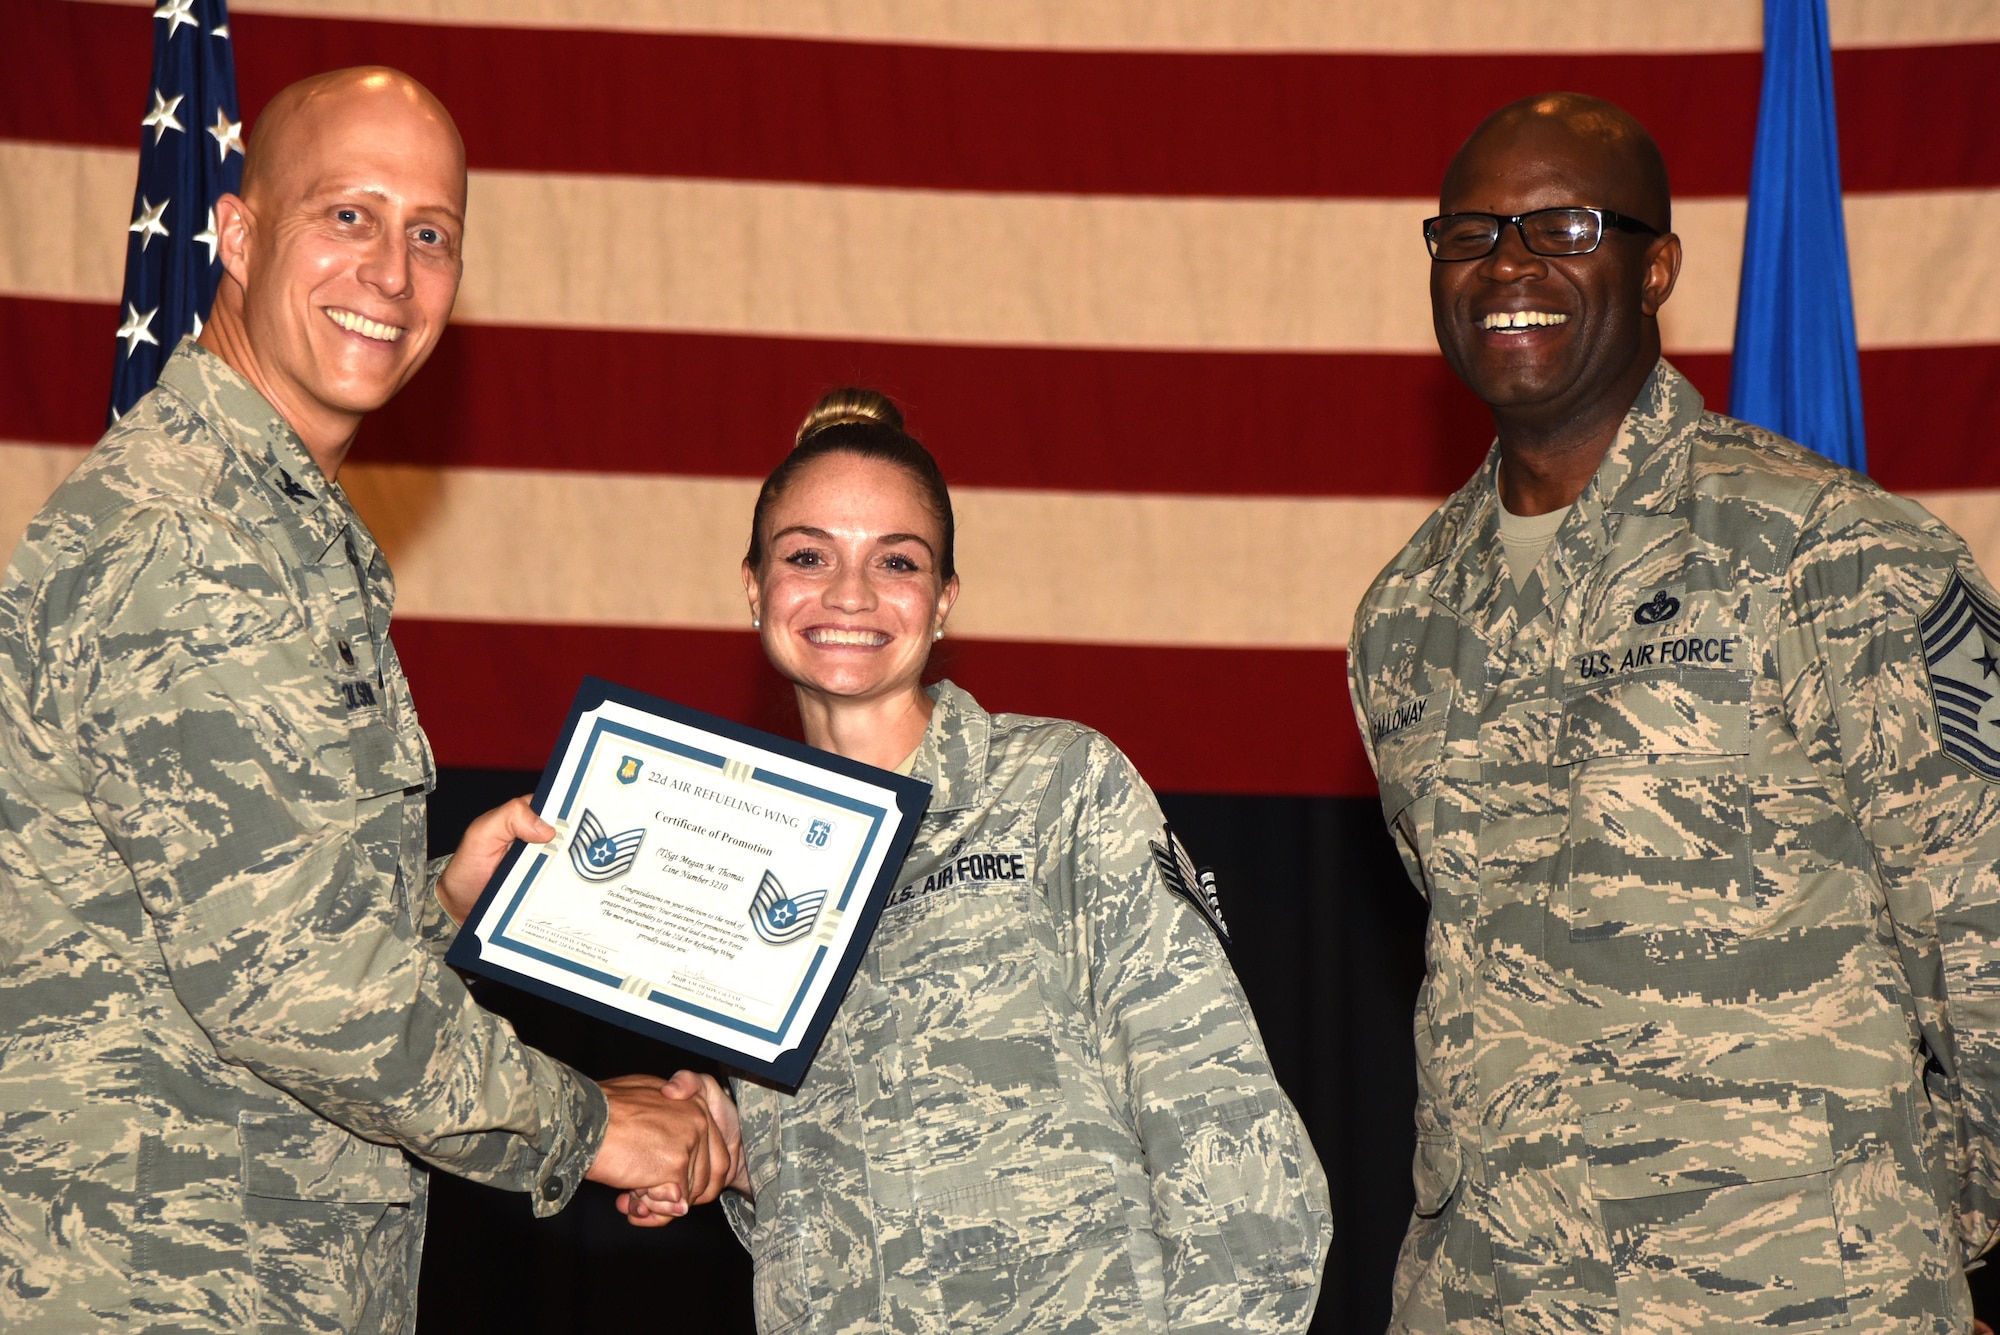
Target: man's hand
[[485, 843], [662, 1144], [729, 1167]]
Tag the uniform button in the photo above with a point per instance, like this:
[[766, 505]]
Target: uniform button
[[552, 1190], [346, 653]]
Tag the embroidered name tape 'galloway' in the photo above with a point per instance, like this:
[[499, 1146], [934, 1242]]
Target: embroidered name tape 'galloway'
[[1401, 717], [1959, 634]]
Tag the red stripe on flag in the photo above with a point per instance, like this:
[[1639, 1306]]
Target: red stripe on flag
[[1199, 423], [1207, 721], [961, 118], [1247, 424], [1932, 416], [55, 381]]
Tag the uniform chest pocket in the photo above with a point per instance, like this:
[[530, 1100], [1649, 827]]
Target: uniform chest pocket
[[964, 975], [1658, 842], [390, 752], [1409, 751]]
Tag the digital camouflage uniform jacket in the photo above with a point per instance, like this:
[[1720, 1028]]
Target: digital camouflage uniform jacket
[[1043, 1104], [1709, 1032], [225, 1020]]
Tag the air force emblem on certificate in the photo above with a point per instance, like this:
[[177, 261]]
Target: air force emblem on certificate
[[1961, 633], [781, 918], [628, 770], [598, 855]]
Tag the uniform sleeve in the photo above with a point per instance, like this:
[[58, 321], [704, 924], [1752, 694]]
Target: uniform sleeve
[[215, 757], [1869, 569], [434, 926], [1238, 1197]]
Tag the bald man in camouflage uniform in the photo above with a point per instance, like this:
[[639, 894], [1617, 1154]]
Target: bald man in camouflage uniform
[[231, 1042], [1044, 1104], [1702, 795]]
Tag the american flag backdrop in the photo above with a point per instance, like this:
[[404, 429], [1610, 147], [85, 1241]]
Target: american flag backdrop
[[190, 153], [1147, 273]]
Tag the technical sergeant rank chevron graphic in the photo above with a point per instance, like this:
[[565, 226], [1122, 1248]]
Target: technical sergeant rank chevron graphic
[[1960, 634], [781, 918], [598, 856]]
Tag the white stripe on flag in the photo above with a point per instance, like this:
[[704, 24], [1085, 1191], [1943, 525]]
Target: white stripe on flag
[[1200, 25], [1083, 568], [930, 266], [1092, 568]]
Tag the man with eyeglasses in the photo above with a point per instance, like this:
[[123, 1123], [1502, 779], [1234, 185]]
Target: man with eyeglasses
[[1686, 735]]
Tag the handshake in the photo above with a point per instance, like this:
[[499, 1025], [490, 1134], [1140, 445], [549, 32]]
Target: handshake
[[670, 1145]]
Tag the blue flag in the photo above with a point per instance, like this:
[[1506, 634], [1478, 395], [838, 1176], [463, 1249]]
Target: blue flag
[[1795, 369], [190, 154]]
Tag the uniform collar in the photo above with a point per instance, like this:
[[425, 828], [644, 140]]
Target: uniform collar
[[1644, 472], [1646, 469], [270, 450], [953, 754]]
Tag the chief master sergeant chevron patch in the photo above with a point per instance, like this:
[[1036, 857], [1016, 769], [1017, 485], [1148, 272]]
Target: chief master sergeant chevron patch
[[1961, 633]]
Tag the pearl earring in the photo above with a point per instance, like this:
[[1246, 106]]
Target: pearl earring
[[937, 634], [756, 623]]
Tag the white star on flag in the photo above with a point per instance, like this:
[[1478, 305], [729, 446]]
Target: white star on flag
[[161, 118], [175, 12], [222, 32], [148, 224], [208, 238], [227, 133], [197, 325], [136, 329]]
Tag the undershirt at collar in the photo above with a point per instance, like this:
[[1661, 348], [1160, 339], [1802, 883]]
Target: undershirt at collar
[[1524, 538]]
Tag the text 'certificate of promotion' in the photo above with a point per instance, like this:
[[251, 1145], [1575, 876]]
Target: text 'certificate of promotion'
[[709, 884]]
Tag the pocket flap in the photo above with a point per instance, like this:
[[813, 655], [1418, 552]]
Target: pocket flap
[[1409, 742], [1697, 1146], [1677, 713], [1060, 1209], [299, 1157], [1435, 1171], [383, 764]]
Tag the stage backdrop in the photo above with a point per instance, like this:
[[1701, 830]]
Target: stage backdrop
[[1148, 276]]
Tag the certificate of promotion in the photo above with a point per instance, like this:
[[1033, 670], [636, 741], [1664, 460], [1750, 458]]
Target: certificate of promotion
[[710, 885]]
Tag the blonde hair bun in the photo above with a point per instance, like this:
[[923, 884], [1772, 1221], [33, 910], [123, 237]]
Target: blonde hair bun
[[850, 404]]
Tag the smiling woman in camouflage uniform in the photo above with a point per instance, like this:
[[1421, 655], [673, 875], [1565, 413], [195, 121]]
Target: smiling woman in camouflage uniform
[[1044, 1104]]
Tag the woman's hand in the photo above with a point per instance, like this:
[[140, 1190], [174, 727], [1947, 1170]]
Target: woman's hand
[[729, 1166], [485, 843]]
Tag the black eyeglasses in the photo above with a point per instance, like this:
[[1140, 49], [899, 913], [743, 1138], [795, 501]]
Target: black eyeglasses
[[1554, 232]]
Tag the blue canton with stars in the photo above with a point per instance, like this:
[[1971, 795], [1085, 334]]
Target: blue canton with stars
[[1960, 634], [190, 154]]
